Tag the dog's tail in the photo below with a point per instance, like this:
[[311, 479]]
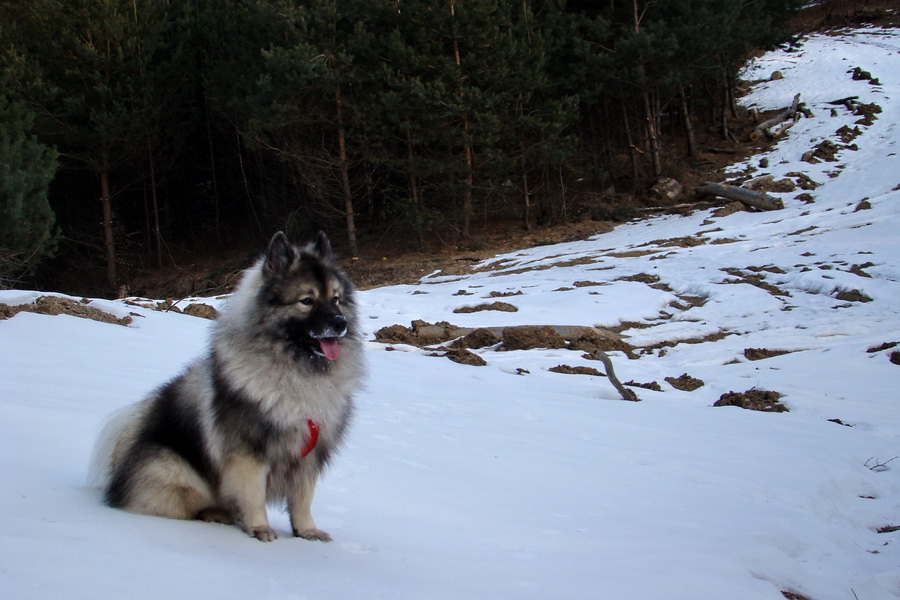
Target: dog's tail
[[116, 437]]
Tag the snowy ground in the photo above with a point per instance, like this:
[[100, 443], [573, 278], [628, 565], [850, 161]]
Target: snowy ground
[[476, 482]]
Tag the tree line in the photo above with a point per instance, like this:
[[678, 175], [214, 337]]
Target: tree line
[[129, 127]]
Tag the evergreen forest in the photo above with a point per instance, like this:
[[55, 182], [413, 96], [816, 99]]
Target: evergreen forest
[[132, 129]]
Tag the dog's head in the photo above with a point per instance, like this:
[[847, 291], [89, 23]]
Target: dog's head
[[310, 299]]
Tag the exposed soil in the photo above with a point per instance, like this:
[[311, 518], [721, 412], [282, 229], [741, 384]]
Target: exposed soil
[[53, 305], [753, 279], [480, 338], [498, 306], [465, 357], [761, 400], [652, 385], [762, 353], [852, 296], [522, 337], [204, 311], [526, 338], [883, 347], [685, 383], [569, 370]]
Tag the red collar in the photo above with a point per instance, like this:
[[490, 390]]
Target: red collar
[[312, 440]]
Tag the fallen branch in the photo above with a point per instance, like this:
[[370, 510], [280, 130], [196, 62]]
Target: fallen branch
[[879, 466], [626, 394], [748, 197], [789, 114], [720, 150], [850, 102]]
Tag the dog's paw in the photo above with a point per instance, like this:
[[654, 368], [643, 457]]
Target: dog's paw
[[312, 534], [263, 533]]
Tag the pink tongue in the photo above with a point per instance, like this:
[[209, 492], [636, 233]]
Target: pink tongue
[[330, 348]]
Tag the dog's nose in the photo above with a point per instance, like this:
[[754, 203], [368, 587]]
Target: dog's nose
[[338, 323]]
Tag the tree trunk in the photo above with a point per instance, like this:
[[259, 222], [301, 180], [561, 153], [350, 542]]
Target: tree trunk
[[652, 136], [688, 125], [467, 143], [413, 181], [250, 208], [725, 110], [748, 197], [109, 242], [215, 183], [345, 174], [526, 191], [632, 149], [157, 234]]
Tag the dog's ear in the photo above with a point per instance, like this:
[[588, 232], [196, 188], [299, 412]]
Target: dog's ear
[[323, 246], [279, 257]]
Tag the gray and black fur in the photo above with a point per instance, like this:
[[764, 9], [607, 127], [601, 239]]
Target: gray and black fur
[[225, 437]]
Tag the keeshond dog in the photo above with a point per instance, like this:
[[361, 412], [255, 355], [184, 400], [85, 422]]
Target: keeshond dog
[[257, 419]]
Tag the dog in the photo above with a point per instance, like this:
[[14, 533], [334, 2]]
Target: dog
[[258, 418]]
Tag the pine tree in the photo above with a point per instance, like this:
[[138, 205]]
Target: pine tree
[[90, 72], [28, 233]]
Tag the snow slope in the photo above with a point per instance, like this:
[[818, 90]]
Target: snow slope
[[478, 482]]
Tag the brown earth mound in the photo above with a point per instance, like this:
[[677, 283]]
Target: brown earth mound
[[54, 305], [465, 357], [568, 370], [499, 306], [762, 400], [519, 337], [685, 383], [762, 353]]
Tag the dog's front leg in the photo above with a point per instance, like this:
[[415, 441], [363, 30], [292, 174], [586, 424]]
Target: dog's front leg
[[300, 507], [244, 492]]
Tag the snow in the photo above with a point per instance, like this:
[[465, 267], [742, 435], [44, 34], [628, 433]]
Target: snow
[[478, 482]]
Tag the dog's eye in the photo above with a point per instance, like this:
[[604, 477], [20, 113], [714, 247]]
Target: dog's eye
[[336, 300], [307, 301]]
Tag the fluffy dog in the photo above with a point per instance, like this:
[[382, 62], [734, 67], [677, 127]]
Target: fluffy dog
[[258, 418]]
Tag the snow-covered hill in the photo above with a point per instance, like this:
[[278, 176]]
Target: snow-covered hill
[[512, 481]]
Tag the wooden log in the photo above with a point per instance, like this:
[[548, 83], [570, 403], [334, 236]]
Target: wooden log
[[715, 150], [788, 114], [849, 102], [748, 197]]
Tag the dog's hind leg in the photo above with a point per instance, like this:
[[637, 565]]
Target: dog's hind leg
[[300, 508], [165, 485]]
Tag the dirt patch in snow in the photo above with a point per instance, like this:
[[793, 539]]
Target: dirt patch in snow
[[852, 296], [498, 306], [465, 357], [479, 338], [54, 305], [883, 347], [685, 383], [761, 400], [196, 309], [793, 595], [763, 353], [528, 337], [520, 337], [568, 370], [652, 385], [753, 279]]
